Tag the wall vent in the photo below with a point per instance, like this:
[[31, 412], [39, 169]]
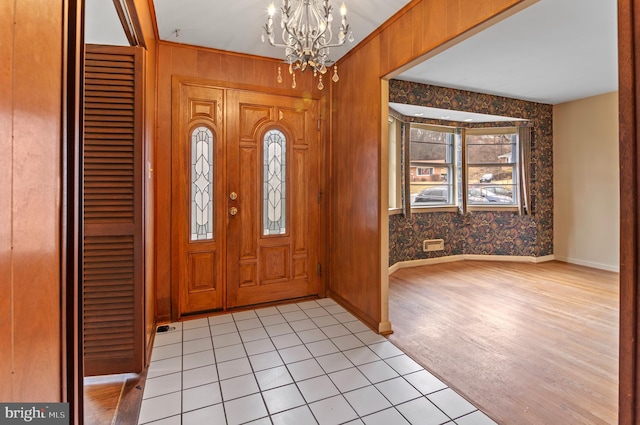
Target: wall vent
[[432, 245]]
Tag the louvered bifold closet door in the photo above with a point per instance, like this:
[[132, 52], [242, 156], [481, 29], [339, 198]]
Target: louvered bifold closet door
[[113, 308]]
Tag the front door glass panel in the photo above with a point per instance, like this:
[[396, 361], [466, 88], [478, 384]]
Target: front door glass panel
[[202, 184], [275, 188]]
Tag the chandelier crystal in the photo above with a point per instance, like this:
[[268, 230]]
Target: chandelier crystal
[[307, 36]]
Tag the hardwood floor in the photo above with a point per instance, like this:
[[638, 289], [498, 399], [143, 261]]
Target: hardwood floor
[[527, 343], [113, 399]]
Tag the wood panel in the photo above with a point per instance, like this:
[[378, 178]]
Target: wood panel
[[162, 182], [35, 199], [528, 344], [7, 11], [148, 25], [113, 275], [354, 228], [629, 110]]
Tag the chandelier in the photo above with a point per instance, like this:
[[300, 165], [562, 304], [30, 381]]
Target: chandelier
[[307, 36]]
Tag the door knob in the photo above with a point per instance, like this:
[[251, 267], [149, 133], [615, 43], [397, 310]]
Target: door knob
[[233, 196], [233, 211]]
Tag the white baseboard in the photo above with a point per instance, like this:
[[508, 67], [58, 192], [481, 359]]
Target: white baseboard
[[591, 264], [464, 257]]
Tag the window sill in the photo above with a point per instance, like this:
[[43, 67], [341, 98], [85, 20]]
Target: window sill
[[506, 208], [449, 209], [395, 211]]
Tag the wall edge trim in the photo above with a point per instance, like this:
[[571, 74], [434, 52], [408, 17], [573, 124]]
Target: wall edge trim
[[592, 264], [469, 257]]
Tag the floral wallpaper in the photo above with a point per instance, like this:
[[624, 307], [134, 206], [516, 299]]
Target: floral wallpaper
[[481, 232]]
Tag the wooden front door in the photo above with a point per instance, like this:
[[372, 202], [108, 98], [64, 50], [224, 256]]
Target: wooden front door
[[246, 229], [273, 167]]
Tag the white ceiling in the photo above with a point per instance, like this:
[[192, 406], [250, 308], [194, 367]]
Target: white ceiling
[[552, 52], [236, 25], [102, 25]]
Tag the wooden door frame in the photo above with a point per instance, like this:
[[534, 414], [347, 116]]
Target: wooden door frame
[[71, 216], [629, 110]]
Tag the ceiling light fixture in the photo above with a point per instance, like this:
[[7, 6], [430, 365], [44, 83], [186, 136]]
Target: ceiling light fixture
[[307, 36]]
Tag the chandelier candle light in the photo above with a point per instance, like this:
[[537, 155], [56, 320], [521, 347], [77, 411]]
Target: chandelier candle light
[[307, 36]]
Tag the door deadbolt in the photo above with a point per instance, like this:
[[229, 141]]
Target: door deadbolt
[[233, 196]]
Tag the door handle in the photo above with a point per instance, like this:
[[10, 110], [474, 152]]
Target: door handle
[[233, 196], [233, 211]]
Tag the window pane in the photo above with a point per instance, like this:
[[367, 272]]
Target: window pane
[[491, 185], [477, 154], [201, 184], [425, 195], [274, 170], [485, 174], [491, 194], [491, 148], [431, 146], [431, 168]]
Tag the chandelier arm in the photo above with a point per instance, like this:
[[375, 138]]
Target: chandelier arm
[[297, 45], [285, 31], [340, 43]]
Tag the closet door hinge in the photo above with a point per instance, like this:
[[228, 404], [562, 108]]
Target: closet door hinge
[[319, 269], [319, 196]]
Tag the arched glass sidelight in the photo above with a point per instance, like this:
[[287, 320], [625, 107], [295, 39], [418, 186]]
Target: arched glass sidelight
[[201, 184], [275, 188]]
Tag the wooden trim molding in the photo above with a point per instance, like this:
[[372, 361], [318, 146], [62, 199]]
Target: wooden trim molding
[[71, 230], [130, 21], [628, 62], [468, 257]]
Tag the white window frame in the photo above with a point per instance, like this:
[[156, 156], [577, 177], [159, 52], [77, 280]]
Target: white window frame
[[457, 178], [498, 202], [450, 164]]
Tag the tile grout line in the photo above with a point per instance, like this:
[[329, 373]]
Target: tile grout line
[[327, 338], [218, 381]]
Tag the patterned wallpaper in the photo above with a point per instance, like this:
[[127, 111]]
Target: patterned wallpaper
[[486, 232]]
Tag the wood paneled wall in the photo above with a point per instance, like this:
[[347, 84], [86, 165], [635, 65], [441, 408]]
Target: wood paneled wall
[[355, 212], [30, 150], [227, 69], [147, 22]]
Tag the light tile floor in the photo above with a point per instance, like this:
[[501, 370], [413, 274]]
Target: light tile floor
[[296, 364]]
